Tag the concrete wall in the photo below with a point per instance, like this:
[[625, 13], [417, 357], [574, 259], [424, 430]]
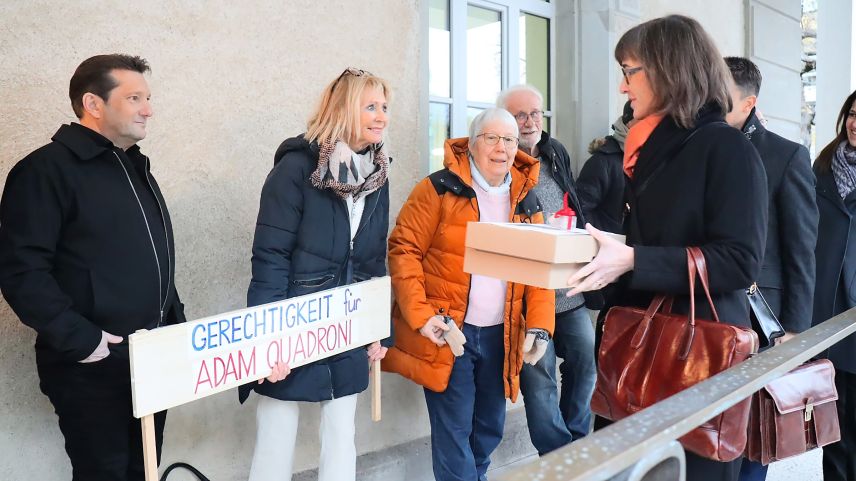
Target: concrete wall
[[780, 62], [836, 68], [723, 20], [229, 83], [587, 74]]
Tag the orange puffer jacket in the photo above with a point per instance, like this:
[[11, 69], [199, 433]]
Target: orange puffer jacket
[[426, 259]]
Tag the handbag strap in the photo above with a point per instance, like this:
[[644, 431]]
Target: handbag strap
[[697, 265]]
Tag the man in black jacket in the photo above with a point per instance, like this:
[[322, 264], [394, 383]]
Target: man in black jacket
[[87, 258], [555, 422], [788, 270]]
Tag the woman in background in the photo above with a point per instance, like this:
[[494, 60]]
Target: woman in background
[[835, 288]]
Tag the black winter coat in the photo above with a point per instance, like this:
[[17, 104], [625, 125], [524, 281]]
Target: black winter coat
[[302, 245], [787, 273], [83, 247], [701, 187], [835, 289], [601, 187]]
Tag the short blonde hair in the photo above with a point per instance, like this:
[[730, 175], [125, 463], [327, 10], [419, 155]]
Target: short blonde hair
[[337, 116]]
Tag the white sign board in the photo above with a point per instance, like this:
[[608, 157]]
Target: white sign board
[[177, 364]]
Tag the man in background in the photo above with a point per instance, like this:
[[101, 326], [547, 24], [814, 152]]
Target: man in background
[[788, 270]]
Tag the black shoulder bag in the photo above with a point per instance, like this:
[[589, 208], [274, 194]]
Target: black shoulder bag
[[764, 321]]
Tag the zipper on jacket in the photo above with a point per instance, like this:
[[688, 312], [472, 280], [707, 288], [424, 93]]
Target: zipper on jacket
[[470, 286], [161, 301], [348, 262], [330, 373], [511, 344], [166, 238], [511, 304]]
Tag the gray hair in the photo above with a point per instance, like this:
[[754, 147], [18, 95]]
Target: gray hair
[[489, 115], [503, 96]]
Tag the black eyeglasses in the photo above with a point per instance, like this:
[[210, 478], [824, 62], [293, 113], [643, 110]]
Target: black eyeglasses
[[535, 115], [629, 71], [350, 71], [493, 139]]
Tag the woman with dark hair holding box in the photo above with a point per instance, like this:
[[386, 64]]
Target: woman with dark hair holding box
[[693, 181]]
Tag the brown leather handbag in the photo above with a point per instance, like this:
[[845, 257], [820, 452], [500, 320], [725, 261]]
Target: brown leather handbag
[[794, 414], [646, 356]]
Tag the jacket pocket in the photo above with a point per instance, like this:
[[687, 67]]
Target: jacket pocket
[[361, 276], [413, 342], [313, 281], [308, 284], [441, 307]]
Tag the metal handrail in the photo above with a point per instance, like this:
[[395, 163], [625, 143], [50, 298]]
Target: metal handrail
[[611, 450]]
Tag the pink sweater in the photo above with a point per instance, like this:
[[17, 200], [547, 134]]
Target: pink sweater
[[487, 295]]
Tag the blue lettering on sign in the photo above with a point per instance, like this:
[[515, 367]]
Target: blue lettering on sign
[[212, 334], [247, 333], [201, 345], [352, 303], [266, 321]]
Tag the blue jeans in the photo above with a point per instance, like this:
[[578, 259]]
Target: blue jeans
[[752, 471], [554, 421], [467, 418]]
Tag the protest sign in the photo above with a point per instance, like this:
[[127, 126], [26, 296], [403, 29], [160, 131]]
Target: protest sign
[[177, 364]]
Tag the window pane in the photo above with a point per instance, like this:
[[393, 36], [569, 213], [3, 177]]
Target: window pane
[[471, 114], [484, 54], [438, 48], [535, 54], [438, 132]]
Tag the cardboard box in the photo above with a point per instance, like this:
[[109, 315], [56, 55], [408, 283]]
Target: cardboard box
[[532, 254]]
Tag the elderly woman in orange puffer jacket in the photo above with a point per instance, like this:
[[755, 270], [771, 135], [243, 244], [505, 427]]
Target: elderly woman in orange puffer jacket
[[485, 179]]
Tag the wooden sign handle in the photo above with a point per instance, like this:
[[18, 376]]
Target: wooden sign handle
[[150, 455], [376, 390]]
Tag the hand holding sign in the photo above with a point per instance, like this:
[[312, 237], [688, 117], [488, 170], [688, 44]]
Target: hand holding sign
[[376, 352], [279, 372]]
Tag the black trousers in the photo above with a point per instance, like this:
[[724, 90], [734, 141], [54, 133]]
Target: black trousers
[[93, 402], [839, 459]]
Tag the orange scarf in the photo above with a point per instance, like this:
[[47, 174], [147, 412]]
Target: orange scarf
[[636, 138]]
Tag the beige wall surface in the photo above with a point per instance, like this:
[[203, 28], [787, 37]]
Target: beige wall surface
[[722, 19], [230, 81]]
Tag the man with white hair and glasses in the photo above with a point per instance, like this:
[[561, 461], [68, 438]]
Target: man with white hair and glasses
[[554, 420]]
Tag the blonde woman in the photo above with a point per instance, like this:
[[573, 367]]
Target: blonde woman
[[322, 223]]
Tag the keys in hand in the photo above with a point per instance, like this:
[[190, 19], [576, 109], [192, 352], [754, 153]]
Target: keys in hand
[[535, 345], [454, 337]]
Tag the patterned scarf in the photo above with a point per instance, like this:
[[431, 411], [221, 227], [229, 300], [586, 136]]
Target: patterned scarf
[[347, 173], [844, 168]]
